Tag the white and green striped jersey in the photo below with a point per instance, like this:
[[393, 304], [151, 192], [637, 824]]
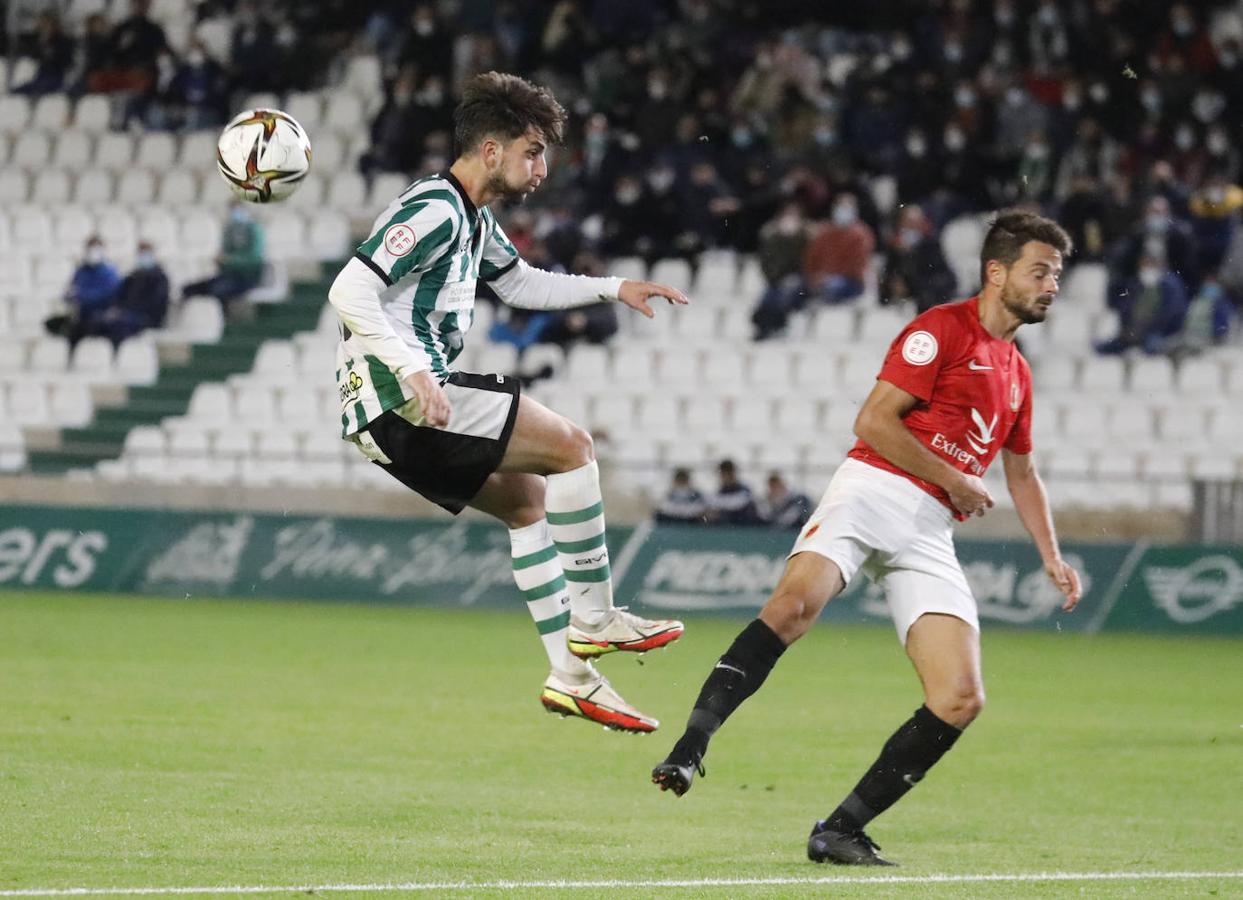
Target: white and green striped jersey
[[406, 298], [428, 247]]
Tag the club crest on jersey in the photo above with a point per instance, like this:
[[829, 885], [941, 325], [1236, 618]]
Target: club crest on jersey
[[1014, 396], [919, 348], [399, 239]]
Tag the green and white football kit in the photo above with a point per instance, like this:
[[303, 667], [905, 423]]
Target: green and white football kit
[[406, 300]]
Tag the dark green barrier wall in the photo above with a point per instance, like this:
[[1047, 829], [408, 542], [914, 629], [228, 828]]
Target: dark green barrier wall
[[1132, 587]]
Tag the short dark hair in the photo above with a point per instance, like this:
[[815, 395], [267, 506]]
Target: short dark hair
[[505, 106], [1012, 229]]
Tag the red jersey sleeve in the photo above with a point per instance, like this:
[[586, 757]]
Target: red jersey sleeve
[[917, 354], [1020, 438]]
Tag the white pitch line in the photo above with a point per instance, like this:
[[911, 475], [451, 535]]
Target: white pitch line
[[619, 883]]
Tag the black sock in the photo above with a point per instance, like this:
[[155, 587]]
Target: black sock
[[737, 676], [905, 759]]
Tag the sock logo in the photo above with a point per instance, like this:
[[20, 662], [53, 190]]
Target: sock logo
[[591, 560], [724, 665], [913, 778]]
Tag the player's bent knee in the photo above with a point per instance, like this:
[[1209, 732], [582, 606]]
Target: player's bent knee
[[960, 706], [790, 614]]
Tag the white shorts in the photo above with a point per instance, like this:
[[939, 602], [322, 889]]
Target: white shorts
[[899, 535]]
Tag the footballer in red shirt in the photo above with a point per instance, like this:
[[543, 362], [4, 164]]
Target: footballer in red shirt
[[952, 393]]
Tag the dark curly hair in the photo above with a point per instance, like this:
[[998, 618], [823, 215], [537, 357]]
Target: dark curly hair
[[494, 104]]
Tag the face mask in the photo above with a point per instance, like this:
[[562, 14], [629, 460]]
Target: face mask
[[955, 140], [741, 137], [627, 196], [237, 214], [1157, 223], [1072, 101], [661, 180], [1215, 195], [953, 52], [1184, 26], [1149, 276], [824, 136], [844, 215], [146, 260], [94, 255], [1004, 16], [788, 225], [1227, 59], [1037, 151], [1217, 143], [901, 51], [909, 237], [1099, 92], [425, 27], [1047, 16], [657, 90], [1151, 100], [1184, 139], [964, 97], [1014, 96], [195, 58], [916, 147]]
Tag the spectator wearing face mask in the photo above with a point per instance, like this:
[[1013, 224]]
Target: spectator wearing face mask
[[240, 262], [1213, 218], [1162, 236], [837, 259], [1151, 308], [90, 293], [915, 266], [783, 243], [141, 302]]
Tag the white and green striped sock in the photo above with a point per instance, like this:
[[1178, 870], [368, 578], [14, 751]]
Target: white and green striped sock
[[576, 518], [539, 576]]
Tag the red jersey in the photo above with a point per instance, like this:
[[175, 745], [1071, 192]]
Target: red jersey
[[974, 392]]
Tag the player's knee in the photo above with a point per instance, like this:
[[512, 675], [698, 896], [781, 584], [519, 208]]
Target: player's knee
[[790, 613], [959, 704], [578, 449]]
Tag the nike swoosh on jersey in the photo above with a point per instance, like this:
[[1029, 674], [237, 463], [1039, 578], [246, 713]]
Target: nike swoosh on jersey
[[976, 367]]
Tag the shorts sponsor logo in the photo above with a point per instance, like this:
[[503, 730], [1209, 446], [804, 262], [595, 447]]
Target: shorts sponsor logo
[[349, 388], [399, 240], [919, 348]]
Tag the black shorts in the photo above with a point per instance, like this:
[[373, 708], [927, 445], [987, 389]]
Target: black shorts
[[449, 465]]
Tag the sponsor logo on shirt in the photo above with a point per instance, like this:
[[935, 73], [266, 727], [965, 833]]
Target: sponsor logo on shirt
[[349, 388], [976, 367], [919, 348], [954, 452], [983, 435]]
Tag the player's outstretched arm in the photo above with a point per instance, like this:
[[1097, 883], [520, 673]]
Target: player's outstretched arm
[[635, 294], [1031, 502]]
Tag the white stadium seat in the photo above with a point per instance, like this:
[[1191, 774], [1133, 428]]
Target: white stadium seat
[[52, 274], [329, 236], [158, 227], [92, 359], [31, 151], [14, 186], [276, 361], [198, 151], [69, 404], [344, 114], [93, 114], [1102, 374], [348, 192], [1200, 377], [201, 320], [285, 235], [1152, 375], [51, 188], [178, 188], [384, 188], [94, 187], [364, 76], [136, 187], [307, 107], [114, 151], [201, 230], [73, 150], [14, 113], [156, 150], [32, 229], [137, 361], [51, 113], [50, 356], [28, 405]]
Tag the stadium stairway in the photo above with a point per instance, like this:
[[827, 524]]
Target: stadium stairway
[[104, 437]]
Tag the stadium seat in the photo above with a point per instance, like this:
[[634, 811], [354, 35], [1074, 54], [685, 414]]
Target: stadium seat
[[677, 368], [70, 405], [612, 412], [211, 404], [14, 186], [1200, 377], [200, 229], [27, 405], [385, 187], [73, 150], [52, 274], [1056, 374], [498, 358], [32, 229], [189, 451], [14, 113], [633, 368], [135, 187], [276, 361], [307, 107], [364, 76], [31, 151], [198, 151], [15, 273], [137, 361], [1152, 376], [1131, 425], [769, 369], [328, 237], [114, 152], [344, 114], [51, 113], [92, 359], [1084, 425], [285, 235], [297, 406], [587, 366], [1102, 374], [798, 416], [704, 417], [961, 240], [94, 187], [878, 327], [673, 272], [1084, 287], [1215, 466], [51, 188], [144, 447], [178, 188], [93, 114], [50, 356], [348, 193], [12, 447]]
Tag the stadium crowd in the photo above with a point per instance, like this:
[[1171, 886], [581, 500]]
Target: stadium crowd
[[764, 128]]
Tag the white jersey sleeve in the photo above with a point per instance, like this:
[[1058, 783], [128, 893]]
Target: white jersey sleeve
[[355, 294]]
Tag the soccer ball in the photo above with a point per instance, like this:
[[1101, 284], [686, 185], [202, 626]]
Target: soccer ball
[[263, 155]]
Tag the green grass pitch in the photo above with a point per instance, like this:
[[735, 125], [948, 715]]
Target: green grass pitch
[[162, 743]]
